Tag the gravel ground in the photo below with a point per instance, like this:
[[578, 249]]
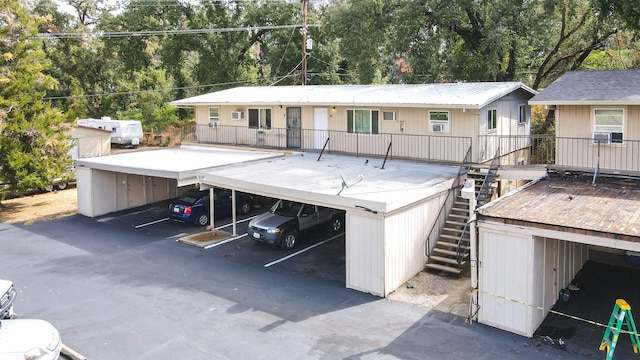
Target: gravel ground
[[446, 293]]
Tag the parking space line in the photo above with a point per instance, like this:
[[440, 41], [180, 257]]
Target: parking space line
[[303, 250], [237, 222], [225, 241], [150, 223]]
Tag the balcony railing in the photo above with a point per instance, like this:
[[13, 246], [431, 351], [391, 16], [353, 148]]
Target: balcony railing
[[419, 147], [579, 154]]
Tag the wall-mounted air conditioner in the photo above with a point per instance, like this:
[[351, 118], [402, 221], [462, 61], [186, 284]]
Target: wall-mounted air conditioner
[[438, 127], [237, 115], [601, 138]]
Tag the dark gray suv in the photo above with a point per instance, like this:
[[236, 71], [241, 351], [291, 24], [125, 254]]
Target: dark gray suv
[[287, 219]]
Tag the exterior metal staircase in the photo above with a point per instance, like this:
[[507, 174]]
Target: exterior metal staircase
[[451, 251], [448, 255]]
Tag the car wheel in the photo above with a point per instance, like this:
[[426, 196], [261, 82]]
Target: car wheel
[[62, 186], [289, 240], [49, 188], [336, 224], [245, 208], [203, 220]]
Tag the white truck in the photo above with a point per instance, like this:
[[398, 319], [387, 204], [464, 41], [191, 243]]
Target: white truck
[[24, 338], [126, 133], [7, 297]]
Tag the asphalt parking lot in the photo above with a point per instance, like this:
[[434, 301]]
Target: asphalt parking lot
[[121, 287]]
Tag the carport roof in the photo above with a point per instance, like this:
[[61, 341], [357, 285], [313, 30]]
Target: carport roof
[[571, 203], [181, 163], [301, 177]]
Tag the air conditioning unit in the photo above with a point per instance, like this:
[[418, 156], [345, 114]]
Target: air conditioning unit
[[237, 115], [438, 128], [601, 138]]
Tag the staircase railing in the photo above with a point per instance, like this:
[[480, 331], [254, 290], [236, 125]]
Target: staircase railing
[[485, 189], [482, 198], [455, 187], [463, 244]]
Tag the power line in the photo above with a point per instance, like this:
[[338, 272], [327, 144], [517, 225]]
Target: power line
[[66, 35], [276, 79]]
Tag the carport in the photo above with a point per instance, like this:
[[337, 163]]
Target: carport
[[390, 207], [549, 234], [389, 210], [117, 182]]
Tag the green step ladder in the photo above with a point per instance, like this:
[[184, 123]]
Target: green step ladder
[[621, 314]]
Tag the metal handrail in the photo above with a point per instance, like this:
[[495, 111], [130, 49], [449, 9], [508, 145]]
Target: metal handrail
[[437, 148], [455, 187], [440, 220], [483, 194], [463, 244]]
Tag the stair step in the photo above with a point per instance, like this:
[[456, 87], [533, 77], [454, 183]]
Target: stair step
[[444, 251], [445, 260], [446, 245], [457, 223], [453, 270], [460, 216], [452, 237]]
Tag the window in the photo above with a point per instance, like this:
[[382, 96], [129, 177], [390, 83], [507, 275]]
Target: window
[[362, 121], [522, 114], [214, 116], [439, 121], [492, 119], [609, 121], [388, 115], [260, 118]]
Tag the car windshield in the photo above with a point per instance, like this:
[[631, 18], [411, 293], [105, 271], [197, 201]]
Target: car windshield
[[286, 208], [190, 196]]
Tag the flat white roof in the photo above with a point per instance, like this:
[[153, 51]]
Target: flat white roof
[[457, 95], [181, 163], [300, 177]]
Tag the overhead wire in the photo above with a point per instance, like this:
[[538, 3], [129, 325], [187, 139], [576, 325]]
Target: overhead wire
[[67, 35], [276, 79]]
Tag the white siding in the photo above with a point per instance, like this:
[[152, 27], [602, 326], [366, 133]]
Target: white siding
[[520, 273], [504, 274], [405, 236], [365, 253], [84, 189], [96, 191]]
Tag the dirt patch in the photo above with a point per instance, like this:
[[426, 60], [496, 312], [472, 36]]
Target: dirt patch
[[206, 238], [40, 207], [446, 293]]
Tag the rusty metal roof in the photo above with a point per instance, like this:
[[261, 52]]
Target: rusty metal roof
[[571, 203]]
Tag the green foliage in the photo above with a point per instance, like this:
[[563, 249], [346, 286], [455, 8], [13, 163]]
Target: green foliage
[[33, 146]]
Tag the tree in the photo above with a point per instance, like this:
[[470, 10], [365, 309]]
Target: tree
[[363, 29], [33, 146]]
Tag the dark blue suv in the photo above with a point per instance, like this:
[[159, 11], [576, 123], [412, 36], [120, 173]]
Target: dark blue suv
[[193, 206]]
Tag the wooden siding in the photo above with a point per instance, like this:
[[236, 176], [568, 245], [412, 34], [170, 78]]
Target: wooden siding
[[574, 123], [463, 123]]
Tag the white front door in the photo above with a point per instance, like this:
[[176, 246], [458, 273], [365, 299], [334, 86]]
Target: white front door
[[320, 127]]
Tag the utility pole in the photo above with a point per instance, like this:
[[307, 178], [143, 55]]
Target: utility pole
[[304, 41]]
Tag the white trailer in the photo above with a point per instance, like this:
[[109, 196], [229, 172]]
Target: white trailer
[[127, 133]]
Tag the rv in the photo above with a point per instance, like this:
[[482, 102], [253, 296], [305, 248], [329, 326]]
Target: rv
[[126, 133]]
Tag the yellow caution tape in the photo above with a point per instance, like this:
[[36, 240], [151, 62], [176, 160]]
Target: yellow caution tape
[[557, 312]]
